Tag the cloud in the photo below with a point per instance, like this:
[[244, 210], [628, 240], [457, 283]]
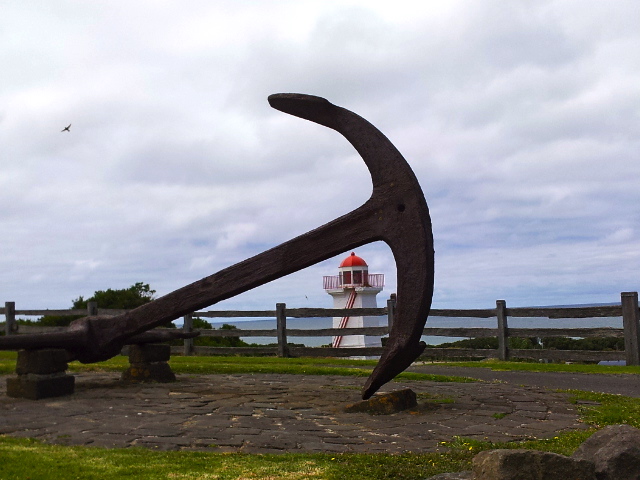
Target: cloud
[[519, 119]]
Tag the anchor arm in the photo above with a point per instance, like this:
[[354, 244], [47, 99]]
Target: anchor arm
[[403, 223], [108, 334], [396, 213]]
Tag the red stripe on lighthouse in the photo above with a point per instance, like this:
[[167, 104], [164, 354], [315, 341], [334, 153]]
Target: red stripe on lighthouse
[[343, 322]]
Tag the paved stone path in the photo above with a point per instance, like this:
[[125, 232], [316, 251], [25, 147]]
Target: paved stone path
[[271, 413]]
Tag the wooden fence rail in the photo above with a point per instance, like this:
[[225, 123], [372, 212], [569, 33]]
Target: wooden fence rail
[[628, 310]]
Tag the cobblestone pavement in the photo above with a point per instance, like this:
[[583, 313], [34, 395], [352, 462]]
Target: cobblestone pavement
[[271, 413]]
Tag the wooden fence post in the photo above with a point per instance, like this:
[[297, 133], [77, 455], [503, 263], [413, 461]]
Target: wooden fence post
[[630, 324], [10, 326], [391, 309], [281, 326], [187, 326], [503, 330], [92, 309]]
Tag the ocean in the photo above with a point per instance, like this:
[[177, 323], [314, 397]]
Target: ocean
[[442, 322]]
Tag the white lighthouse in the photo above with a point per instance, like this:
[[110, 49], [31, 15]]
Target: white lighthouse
[[354, 287]]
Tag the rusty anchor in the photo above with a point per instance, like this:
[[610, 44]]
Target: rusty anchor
[[396, 213]]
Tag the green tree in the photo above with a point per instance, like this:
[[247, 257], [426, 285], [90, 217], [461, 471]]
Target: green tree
[[124, 298], [600, 343], [491, 343], [198, 323]]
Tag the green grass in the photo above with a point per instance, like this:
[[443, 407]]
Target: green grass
[[292, 366], [7, 362], [233, 365], [499, 365], [30, 459], [607, 409], [564, 444]]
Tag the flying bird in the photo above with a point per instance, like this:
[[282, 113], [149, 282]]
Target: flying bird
[[66, 129]]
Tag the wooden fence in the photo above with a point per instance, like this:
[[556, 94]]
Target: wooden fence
[[628, 310]]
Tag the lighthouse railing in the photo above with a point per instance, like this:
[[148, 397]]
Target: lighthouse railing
[[334, 282]]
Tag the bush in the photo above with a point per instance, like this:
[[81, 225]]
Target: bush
[[126, 298], [553, 343], [475, 343], [200, 324], [593, 344], [217, 341], [56, 320]]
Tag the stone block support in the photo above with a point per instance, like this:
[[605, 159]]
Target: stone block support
[[41, 374], [148, 363]]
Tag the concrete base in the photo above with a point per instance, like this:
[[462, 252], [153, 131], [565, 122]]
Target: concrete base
[[41, 374], [148, 372], [148, 363], [149, 352], [386, 403], [35, 387]]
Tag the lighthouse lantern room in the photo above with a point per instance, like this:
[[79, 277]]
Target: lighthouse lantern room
[[354, 287]]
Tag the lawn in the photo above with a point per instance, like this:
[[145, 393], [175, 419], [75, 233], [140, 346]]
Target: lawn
[[499, 365], [30, 459], [229, 365]]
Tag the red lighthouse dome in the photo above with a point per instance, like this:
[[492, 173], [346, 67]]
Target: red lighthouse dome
[[353, 273], [353, 261]]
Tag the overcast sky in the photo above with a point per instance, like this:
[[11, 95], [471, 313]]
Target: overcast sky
[[521, 120]]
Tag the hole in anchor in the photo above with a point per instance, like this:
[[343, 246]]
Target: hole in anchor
[[401, 207]]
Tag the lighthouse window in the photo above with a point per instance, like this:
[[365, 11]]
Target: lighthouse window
[[357, 278], [347, 277]]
